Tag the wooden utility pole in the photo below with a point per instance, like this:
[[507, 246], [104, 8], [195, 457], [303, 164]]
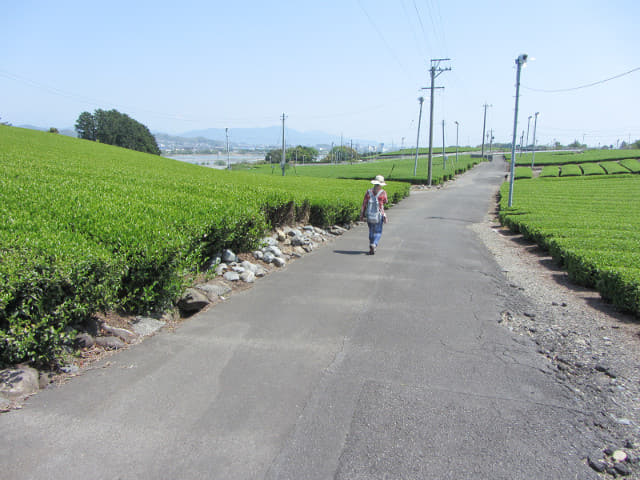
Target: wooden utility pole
[[434, 71], [284, 148], [226, 131], [415, 165], [484, 126], [444, 151]]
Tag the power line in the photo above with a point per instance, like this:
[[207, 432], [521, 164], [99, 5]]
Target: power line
[[413, 31], [131, 108], [583, 86], [440, 22], [435, 71], [426, 38], [384, 40]]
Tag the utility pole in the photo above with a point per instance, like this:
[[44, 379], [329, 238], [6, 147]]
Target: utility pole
[[457, 127], [491, 144], [341, 157], [435, 72], [533, 150], [415, 165], [444, 152], [351, 152], [484, 126], [521, 142], [226, 131], [526, 143], [284, 148], [521, 60]]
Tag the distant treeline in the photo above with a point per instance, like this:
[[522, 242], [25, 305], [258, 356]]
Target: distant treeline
[[115, 128]]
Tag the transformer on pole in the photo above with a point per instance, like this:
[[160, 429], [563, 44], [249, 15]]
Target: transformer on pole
[[520, 61]]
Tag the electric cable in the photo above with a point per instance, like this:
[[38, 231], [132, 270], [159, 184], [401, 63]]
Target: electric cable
[[384, 40], [582, 86]]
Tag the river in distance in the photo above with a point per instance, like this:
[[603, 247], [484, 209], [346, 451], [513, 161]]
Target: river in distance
[[218, 160]]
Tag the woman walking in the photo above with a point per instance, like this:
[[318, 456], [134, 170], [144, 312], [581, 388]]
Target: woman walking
[[373, 210]]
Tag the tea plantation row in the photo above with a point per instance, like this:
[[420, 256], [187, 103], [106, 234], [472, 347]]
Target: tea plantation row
[[629, 165], [590, 225], [397, 169], [86, 227], [566, 157]]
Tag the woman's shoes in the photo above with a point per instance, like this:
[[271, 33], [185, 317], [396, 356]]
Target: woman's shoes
[[372, 250]]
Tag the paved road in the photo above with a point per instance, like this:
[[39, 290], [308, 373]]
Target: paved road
[[340, 366]]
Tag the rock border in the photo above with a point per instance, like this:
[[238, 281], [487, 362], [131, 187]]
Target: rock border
[[590, 348], [108, 333]]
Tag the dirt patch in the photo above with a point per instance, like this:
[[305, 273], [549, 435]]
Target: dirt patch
[[592, 348]]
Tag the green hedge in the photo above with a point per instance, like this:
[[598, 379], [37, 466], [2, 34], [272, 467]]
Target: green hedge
[[550, 171], [397, 170], [631, 164], [590, 225], [592, 169], [563, 158], [86, 227], [523, 173], [570, 171], [613, 168]]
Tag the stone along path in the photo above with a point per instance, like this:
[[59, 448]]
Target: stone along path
[[342, 365]]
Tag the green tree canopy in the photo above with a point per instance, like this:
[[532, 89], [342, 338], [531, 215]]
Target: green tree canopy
[[576, 144], [115, 128], [299, 154], [86, 126], [342, 154]]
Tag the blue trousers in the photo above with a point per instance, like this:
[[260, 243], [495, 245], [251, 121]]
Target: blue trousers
[[375, 232]]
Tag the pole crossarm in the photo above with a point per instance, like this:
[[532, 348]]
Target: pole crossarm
[[520, 61], [434, 72]]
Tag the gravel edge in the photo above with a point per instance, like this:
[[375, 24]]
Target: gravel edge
[[592, 349]]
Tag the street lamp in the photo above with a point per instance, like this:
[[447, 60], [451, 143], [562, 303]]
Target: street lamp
[[533, 149], [520, 61], [526, 144], [415, 165], [226, 131], [457, 126]]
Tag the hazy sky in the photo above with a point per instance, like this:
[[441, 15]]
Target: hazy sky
[[341, 66]]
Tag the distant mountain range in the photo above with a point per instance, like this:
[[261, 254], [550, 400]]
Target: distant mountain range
[[69, 132], [264, 136], [272, 136]]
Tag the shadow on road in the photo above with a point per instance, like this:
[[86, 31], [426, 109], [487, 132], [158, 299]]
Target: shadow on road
[[350, 252]]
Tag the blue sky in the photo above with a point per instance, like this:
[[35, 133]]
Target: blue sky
[[351, 67]]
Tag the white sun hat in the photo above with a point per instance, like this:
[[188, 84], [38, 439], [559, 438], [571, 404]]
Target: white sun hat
[[379, 180]]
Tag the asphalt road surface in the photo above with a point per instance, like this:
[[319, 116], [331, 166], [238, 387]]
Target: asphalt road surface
[[340, 366]]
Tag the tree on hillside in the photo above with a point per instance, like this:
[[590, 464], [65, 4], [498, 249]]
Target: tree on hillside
[[86, 126], [342, 154], [299, 154], [115, 128]]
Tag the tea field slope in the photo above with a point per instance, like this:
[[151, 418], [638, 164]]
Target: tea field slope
[[86, 227], [590, 224], [395, 169]]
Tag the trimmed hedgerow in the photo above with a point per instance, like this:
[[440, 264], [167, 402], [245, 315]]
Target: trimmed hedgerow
[[592, 169], [613, 168], [86, 227], [631, 164], [550, 171], [570, 171], [523, 173], [590, 225]]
